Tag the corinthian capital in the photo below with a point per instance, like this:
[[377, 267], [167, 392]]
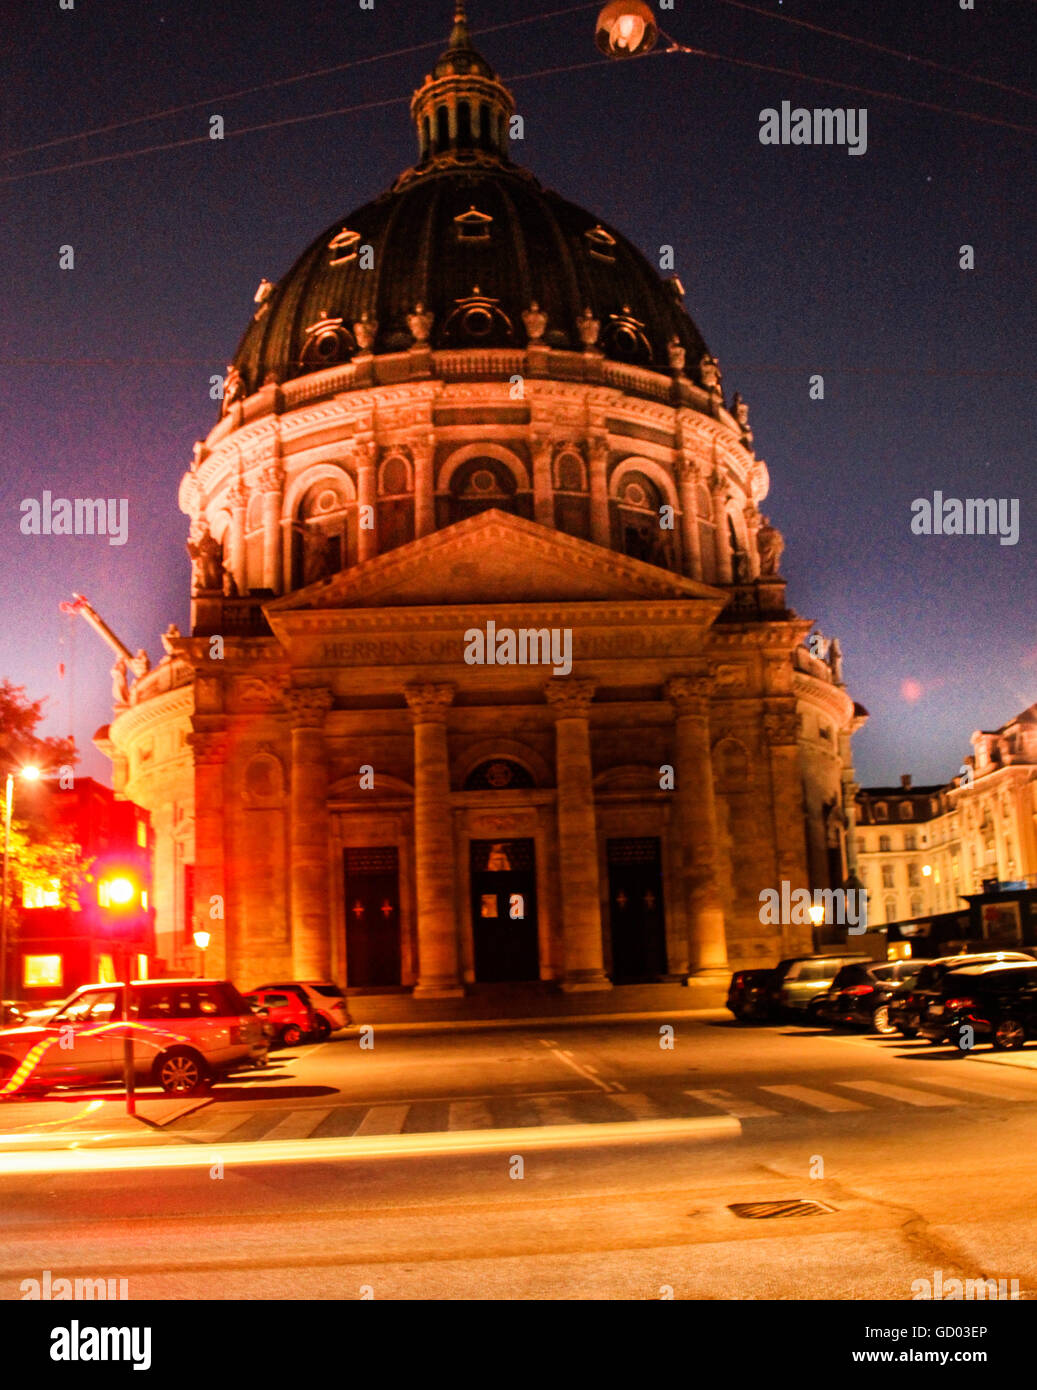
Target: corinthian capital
[[570, 697], [209, 746], [308, 708], [689, 695], [238, 495], [429, 701], [272, 478]]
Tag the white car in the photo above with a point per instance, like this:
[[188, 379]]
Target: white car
[[186, 1034]]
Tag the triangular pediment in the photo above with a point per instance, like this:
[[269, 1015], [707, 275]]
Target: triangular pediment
[[495, 558]]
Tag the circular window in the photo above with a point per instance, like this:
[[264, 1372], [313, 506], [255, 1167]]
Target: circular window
[[635, 494], [327, 346], [327, 501], [484, 481], [478, 322]]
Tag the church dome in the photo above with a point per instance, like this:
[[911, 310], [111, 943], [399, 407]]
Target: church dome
[[466, 250]]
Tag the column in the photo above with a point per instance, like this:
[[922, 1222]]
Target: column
[[238, 500], [543, 484], [718, 491], [365, 455], [688, 486], [781, 734], [209, 752], [583, 962], [424, 487], [272, 482], [601, 527], [438, 967], [696, 804], [309, 831]]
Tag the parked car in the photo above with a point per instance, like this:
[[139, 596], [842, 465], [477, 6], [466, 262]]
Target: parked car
[[999, 1003], [186, 1034], [290, 1019], [907, 1010], [787, 989], [860, 995], [324, 997], [11, 1015]]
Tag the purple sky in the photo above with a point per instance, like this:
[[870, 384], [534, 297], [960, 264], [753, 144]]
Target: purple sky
[[796, 260]]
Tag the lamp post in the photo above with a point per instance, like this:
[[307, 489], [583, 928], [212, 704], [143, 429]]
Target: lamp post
[[30, 774], [119, 895], [201, 940], [626, 29]]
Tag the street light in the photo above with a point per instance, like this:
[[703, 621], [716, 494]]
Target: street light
[[122, 898], [626, 29], [201, 940], [30, 774]]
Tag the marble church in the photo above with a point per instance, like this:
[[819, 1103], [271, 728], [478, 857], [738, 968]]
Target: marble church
[[471, 430]]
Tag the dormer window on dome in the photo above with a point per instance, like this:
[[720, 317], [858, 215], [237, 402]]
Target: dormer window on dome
[[473, 225], [344, 247], [602, 244]]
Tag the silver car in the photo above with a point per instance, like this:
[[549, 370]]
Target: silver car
[[186, 1034]]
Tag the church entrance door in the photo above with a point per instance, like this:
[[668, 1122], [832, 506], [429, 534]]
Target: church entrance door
[[372, 917], [504, 910], [636, 917]]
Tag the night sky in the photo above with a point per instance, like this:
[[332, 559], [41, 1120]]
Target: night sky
[[796, 260]]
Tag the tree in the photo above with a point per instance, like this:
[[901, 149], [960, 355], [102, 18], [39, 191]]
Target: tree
[[42, 853]]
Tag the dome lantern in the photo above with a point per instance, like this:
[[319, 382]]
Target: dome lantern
[[463, 110]]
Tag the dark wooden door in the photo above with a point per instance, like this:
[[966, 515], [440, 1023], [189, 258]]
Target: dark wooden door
[[636, 917], [372, 917], [504, 910]]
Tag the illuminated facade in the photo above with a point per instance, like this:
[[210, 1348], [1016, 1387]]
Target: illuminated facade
[[473, 422]]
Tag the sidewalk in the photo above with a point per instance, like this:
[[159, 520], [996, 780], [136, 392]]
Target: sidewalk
[[515, 1005]]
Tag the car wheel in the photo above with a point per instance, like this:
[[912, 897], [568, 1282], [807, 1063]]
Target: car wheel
[[909, 1027], [880, 1021], [321, 1028], [1009, 1035], [182, 1073], [291, 1035]]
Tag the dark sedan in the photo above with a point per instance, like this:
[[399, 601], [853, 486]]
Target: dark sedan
[[998, 1003], [907, 1010], [860, 995]]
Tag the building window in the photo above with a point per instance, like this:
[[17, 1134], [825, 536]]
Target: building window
[[884, 844], [887, 875], [42, 972], [891, 910], [909, 842], [916, 907], [907, 811], [881, 811], [38, 895], [142, 834], [912, 876]]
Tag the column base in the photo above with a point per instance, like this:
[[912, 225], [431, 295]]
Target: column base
[[434, 989], [584, 983]]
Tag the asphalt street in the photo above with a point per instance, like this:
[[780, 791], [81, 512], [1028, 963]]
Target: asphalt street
[[533, 1163]]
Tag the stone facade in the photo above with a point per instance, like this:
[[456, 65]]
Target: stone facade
[[337, 787]]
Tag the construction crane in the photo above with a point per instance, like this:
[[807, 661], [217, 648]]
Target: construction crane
[[125, 661]]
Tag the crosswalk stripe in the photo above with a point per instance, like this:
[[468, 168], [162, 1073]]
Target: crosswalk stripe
[[993, 1087], [639, 1106], [817, 1100], [723, 1100], [553, 1110], [215, 1132], [469, 1114], [384, 1119], [904, 1094], [297, 1124]]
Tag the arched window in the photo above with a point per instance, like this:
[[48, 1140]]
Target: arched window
[[442, 128], [484, 125], [479, 485], [320, 534], [426, 137], [640, 534], [394, 477], [464, 126]]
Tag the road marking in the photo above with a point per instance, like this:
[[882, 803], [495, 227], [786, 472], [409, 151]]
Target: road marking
[[383, 1119], [702, 1128], [904, 1094], [551, 1110], [297, 1124], [724, 1100], [211, 1134], [993, 1087], [569, 1060], [640, 1106], [469, 1114], [817, 1100]]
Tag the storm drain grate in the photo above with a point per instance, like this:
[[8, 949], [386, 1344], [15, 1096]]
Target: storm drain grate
[[796, 1207]]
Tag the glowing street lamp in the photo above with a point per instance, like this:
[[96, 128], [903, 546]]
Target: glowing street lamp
[[626, 29], [817, 913], [201, 940], [29, 774]]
